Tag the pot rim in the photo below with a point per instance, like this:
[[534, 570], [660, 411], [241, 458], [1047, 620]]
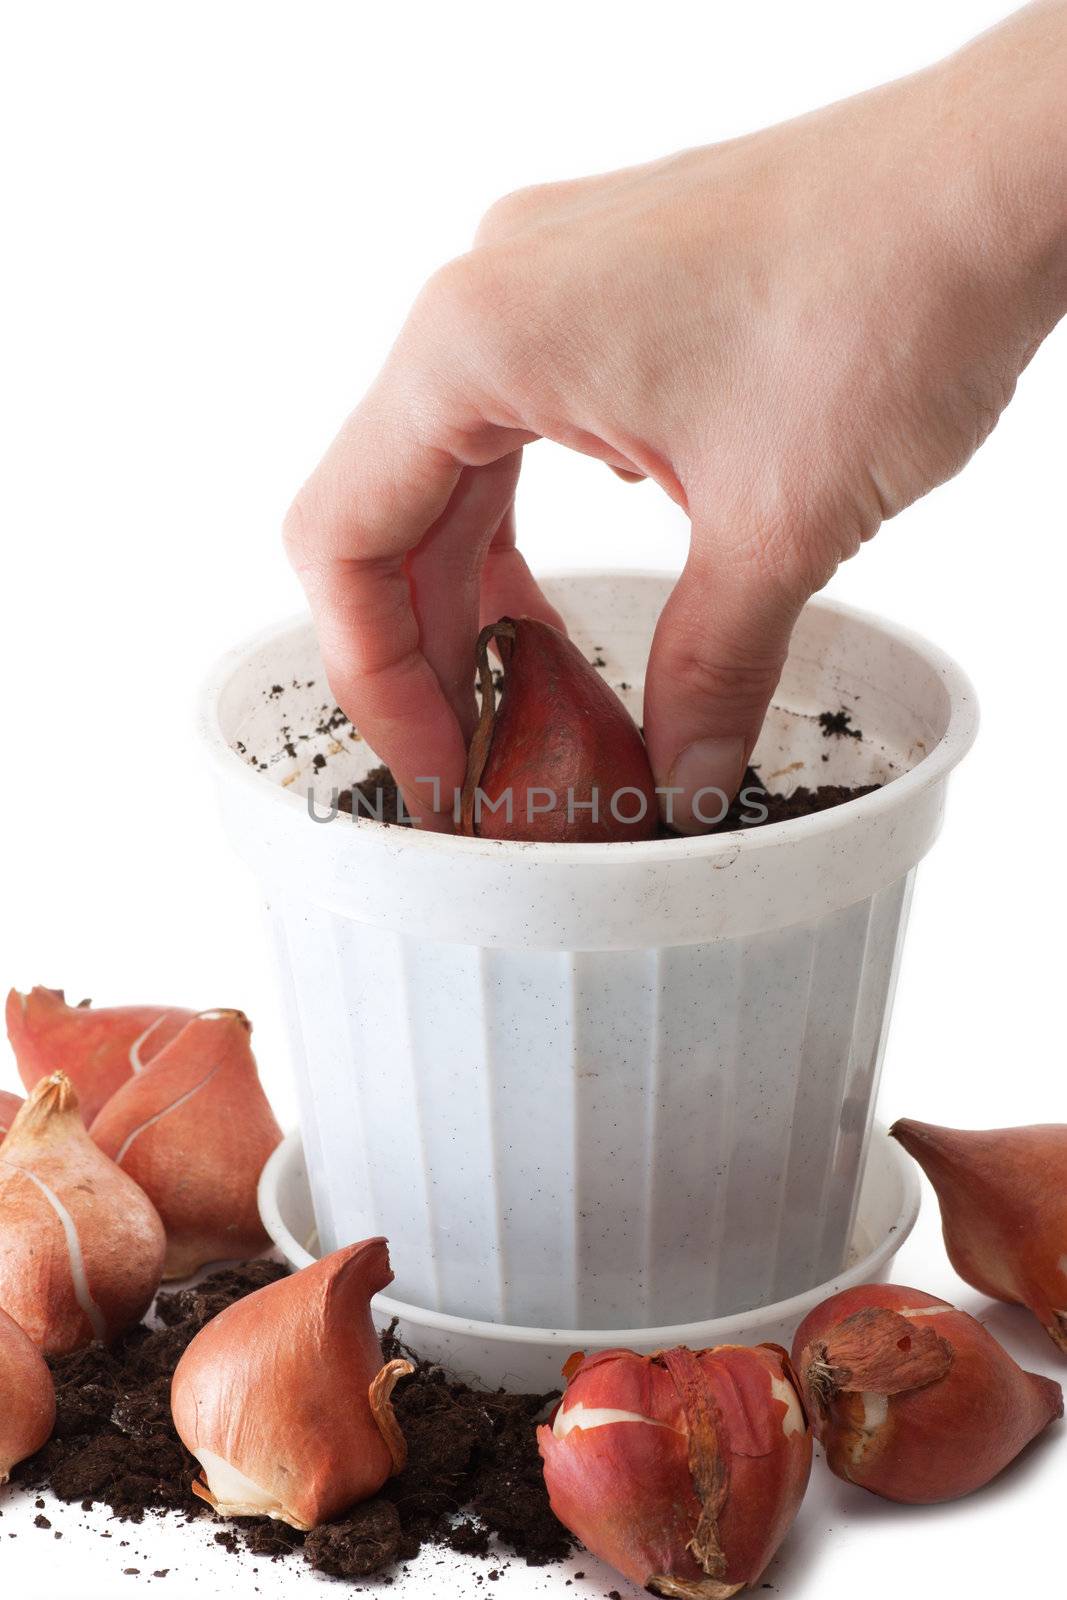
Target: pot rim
[[694, 1334], [960, 732]]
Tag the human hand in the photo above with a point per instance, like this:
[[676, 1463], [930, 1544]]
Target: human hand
[[796, 334]]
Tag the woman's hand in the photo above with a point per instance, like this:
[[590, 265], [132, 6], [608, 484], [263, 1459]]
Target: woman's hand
[[796, 334]]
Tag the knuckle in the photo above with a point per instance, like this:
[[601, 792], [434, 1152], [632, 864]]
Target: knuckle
[[478, 313], [515, 210], [795, 559], [832, 533], [794, 540], [744, 681], [295, 529], [459, 292], [310, 531]]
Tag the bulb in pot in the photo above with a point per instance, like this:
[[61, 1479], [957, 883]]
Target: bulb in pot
[[81, 1246], [27, 1397], [560, 757], [194, 1130], [683, 1470], [98, 1048], [913, 1399], [10, 1106], [1003, 1198], [284, 1398]]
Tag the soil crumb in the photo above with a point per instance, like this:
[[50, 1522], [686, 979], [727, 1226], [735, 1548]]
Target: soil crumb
[[367, 1541]]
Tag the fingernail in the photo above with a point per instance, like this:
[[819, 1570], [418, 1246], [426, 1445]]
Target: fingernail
[[708, 772]]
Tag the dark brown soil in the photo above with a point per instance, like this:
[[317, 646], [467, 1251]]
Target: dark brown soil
[[476, 1452], [378, 798], [367, 1541], [754, 797], [468, 1452], [114, 1441]]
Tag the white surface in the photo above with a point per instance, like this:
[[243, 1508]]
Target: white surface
[[204, 266], [595, 1086], [531, 1359], [844, 1541]]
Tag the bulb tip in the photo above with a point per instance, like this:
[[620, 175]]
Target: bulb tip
[[225, 1014], [908, 1132], [54, 1095]]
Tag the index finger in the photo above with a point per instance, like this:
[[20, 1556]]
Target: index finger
[[367, 505]]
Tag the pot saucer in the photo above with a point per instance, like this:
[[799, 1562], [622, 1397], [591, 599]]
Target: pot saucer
[[494, 1354]]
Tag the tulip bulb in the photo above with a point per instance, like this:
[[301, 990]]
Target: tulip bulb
[[10, 1105], [27, 1397], [683, 1470], [913, 1399], [81, 1246], [97, 1049], [1003, 1197], [283, 1397], [561, 752], [194, 1130]]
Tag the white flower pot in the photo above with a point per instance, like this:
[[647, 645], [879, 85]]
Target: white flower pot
[[593, 1086]]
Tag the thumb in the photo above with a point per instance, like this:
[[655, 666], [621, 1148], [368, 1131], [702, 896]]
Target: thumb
[[716, 658]]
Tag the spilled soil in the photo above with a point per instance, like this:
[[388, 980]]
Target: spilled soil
[[472, 1484]]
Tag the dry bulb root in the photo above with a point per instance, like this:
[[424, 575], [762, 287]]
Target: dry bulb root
[[683, 1470], [98, 1049], [913, 1399], [81, 1246], [284, 1399], [194, 1130], [560, 758], [1003, 1197]]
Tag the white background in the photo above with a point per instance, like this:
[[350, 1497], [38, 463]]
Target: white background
[[215, 217]]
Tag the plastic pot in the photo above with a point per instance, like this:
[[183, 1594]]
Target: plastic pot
[[596, 1086]]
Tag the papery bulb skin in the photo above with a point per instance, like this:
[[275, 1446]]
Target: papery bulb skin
[[1003, 1198], [195, 1130], [27, 1397], [913, 1399], [284, 1399], [561, 730], [81, 1246], [10, 1106], [98, 1048], [683, 1470]]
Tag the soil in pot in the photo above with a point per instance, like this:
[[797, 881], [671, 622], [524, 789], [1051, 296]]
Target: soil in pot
[[381, 799]]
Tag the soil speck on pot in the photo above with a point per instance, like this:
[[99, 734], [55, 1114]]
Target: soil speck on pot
[[838, 725]]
